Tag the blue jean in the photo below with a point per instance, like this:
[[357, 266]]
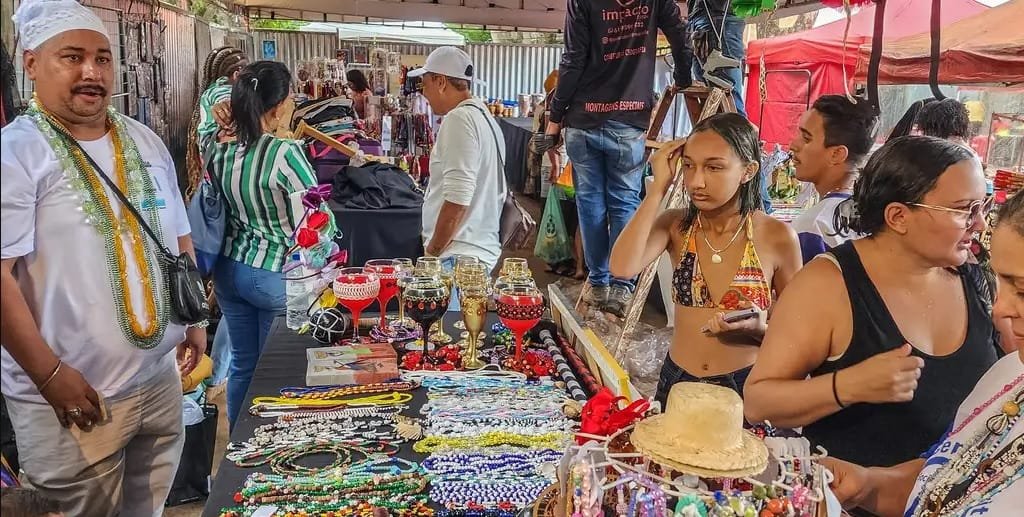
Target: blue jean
[[221, 354], [607, 171], [250, 298], [732, 46], [672, 374]]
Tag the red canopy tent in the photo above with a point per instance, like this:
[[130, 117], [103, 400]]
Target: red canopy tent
[[820, 53], [985, 48]]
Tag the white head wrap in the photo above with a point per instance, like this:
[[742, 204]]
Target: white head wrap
[[40, 20]]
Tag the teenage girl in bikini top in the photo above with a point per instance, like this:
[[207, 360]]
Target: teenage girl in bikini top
[[727, 254]]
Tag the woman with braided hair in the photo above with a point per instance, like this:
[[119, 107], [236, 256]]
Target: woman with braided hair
[[219, 73]]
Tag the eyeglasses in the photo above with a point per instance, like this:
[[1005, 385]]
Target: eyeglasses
[[975, 211]]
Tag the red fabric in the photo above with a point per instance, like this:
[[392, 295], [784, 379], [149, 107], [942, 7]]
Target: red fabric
[[821, 52], [985, 48]]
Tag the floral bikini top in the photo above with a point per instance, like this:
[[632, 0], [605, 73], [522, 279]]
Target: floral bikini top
[[689, 288]]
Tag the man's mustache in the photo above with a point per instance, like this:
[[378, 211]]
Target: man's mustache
[[90, 89]]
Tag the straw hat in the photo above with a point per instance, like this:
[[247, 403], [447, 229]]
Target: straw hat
[[701, 433]]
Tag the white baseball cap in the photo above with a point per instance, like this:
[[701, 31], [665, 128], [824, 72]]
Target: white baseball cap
[[451, 62]]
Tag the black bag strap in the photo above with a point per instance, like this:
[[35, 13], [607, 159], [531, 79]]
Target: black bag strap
[[168, 256]]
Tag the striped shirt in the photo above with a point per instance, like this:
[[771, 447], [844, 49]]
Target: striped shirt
[[256, 182], [219, 91]]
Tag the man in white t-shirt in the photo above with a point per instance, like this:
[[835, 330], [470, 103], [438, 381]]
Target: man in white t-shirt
[[462, 207], [832, 141], [89, 376]]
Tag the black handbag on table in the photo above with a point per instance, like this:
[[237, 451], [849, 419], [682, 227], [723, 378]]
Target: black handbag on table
[[184, 283]]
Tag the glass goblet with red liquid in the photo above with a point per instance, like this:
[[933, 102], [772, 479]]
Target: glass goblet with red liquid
[[388, 270], [356, 288], [519, 308], [426, 301]]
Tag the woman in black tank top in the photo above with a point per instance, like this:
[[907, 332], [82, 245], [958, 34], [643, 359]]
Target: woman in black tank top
[[873, 347]]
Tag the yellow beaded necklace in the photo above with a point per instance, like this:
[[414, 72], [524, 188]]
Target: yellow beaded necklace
[[143, 330]]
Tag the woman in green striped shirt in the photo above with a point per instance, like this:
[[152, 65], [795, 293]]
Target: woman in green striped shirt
[[257, 172]]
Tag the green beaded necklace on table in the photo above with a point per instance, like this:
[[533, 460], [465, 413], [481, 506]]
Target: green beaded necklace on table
[[98, 212]]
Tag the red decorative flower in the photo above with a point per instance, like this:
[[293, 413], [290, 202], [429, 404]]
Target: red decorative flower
[[307, 238], [317, 220]]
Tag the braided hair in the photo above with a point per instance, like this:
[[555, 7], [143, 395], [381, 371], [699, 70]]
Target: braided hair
[[221, 62]]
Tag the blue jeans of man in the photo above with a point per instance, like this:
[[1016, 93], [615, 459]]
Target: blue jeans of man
[[250, 298], [732, 46], [607, 172]]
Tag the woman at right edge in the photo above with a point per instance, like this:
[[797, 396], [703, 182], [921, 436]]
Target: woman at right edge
[[988, 429], [729, 255], [876, 343]]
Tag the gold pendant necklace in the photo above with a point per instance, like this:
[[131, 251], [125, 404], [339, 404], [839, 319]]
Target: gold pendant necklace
[[716, 254]]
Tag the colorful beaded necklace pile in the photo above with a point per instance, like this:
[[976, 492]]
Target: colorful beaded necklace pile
[[143, 331]]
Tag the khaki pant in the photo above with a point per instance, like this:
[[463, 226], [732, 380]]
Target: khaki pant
[[123, 466]]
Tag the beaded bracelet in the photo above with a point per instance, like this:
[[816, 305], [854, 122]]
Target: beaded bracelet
[[545, 441], [389, 399], [333, 392]]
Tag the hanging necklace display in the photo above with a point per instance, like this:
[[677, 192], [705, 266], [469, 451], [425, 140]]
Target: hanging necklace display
[[988, 463], [144, 330]]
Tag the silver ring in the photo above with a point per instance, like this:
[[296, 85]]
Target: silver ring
[[75, 412]]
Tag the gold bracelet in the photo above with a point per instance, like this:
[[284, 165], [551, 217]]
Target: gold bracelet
[[52, 376]]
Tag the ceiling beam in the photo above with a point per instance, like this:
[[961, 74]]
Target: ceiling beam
[[313, 10]]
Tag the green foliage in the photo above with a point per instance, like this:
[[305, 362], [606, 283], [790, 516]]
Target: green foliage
[[277, 25], [472, 35]]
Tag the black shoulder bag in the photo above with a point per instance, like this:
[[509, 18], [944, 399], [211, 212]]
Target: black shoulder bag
[[516, 224], [184, 284]]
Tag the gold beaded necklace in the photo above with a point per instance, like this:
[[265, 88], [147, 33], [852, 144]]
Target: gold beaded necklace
[[142, 330]]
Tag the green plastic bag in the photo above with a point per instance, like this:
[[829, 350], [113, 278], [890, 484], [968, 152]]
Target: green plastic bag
[[553, 245]]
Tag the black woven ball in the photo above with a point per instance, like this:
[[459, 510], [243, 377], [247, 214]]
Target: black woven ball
[[328, 325]]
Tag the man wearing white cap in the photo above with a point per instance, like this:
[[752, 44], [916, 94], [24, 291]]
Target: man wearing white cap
[[462, 208], [88, 375]]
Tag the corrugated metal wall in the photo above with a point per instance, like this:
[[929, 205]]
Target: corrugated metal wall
[[180, 61], [510, 70], [293, 47]]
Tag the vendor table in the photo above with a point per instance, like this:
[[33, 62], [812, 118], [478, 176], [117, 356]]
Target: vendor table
[[375, 234], [282, 364], [518, 132]]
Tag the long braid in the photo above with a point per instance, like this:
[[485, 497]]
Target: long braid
[[217, 65]]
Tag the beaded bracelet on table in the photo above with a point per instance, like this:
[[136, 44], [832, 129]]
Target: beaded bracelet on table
[[282, 458], [545, 441], [333, 392], [468, 465]]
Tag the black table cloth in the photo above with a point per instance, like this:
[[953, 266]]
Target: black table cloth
[[283, 364], [377, 234], [518, 132]]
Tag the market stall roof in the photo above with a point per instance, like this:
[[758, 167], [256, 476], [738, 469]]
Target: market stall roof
[[984, 48], [510, 14], [825, 44]]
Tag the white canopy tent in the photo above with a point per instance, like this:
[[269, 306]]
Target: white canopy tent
[[494, 14]]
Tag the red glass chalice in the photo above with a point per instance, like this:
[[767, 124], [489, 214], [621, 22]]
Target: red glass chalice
[[389, 271], [356, 288], [520, 308]]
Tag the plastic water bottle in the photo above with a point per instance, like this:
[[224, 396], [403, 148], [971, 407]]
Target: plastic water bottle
[[297, 293]]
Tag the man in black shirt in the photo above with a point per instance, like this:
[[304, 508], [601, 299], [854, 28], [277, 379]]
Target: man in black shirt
[[714, 26], [604, 98]]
